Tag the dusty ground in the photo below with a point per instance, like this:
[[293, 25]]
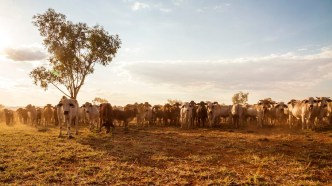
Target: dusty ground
[[165, 156]]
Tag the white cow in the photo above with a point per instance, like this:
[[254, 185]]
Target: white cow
[[250, 113], [186, 115], [306, 110], [280, 113], [67, 111], [214, 113], [92, 115], [237, 114]]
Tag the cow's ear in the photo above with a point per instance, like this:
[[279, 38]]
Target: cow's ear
[[329, 100], [60, 104]]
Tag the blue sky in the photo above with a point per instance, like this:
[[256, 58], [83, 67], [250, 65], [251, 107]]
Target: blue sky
[[180, 49]]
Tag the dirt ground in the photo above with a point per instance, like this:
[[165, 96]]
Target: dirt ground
[[165, 156]]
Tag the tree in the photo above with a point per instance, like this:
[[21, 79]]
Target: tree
[[240, 98], [99, 100], [173, 101], [74, 50]]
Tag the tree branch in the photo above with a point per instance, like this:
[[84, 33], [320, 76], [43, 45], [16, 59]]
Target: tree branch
[[60, 90]]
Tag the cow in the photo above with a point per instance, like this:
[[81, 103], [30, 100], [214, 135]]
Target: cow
[[144, 115], [126, 115], [167, 114], [214, 113], [106, 116], [202, 114], [92, 115], [175, 116], [263, 111], [306, 110], [186, 115], [148, 118], [250, 113], [32, 112], [194, 112], [48, 113], [9, 116], [55, 116], [323, 111], [23, 115], [39, 114], [67, 111], [237, 114], [329, 111], [82, 116], [279, 112], [158, 114]]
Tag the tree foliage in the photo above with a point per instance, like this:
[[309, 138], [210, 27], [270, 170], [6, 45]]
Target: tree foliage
[[173, 101], [74, 49], [99, 100], [240, 98]]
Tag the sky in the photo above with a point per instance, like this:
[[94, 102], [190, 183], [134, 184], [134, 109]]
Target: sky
[[179, 49]]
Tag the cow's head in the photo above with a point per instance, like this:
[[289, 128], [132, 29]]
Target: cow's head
[[66, 105], [310, 102], [323, 101], [280, 106]]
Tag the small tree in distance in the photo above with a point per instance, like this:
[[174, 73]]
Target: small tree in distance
[[74, 50], [240, 98], [99, 100], [173, 101]]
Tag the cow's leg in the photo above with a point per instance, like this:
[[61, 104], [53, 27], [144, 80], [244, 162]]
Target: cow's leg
[[76, 126], [69, 127], [303, 120], [60, 124], [290, 121]]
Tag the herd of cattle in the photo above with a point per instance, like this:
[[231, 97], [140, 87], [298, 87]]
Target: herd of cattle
[[308, 114]]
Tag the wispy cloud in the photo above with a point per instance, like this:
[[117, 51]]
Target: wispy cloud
[[138, 6], [274, 72], [26, 53]]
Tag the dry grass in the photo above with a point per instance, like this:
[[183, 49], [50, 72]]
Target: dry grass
[[165, 156]]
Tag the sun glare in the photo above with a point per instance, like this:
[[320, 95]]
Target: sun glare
[[4, 39]]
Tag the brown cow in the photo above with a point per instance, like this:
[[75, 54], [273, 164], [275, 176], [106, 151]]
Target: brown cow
[[126, 115], [9, 116], [106, 116], [48, 113]]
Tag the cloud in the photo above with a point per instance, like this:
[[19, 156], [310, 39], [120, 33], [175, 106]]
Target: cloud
[[274, 72], [28, 53], [137, 6], [178, 2]]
